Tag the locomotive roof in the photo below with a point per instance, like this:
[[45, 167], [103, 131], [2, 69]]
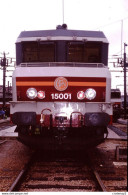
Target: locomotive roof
[[59, 34]]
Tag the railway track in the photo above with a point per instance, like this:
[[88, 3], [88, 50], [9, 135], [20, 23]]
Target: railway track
[[51, 172], [58, 174]]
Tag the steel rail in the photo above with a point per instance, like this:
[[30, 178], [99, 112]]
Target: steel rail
[[17, 181], [102, 186], [95, 173], [3, 142], [15, 185]]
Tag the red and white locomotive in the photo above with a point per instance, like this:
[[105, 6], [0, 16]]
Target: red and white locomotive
[[61, 88]]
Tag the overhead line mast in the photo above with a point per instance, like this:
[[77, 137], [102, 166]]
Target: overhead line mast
[[63, 10]]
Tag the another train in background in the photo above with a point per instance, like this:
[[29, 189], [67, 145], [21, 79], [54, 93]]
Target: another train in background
[[117, 104]]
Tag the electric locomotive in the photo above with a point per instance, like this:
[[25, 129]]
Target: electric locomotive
[[61, 88], [116, 100]]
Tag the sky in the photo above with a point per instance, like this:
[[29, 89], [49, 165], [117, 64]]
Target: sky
[[109, 16]]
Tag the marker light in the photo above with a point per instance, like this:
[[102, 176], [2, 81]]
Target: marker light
[[31, 93], [41, 95], [90, 94], [80, 95]]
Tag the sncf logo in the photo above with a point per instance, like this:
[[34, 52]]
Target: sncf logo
[[61, 83]]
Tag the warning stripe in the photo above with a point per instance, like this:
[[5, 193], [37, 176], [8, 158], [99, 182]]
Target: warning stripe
[[96, 84], [34, 83], [51, 83]]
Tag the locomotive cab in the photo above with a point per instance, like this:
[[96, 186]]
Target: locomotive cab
[[61, 88]]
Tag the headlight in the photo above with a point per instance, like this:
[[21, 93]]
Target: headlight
[[31, 93], [90, 94], [41, 95], [80, 95]]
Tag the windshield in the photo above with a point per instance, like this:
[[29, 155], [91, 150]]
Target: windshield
[[84, 52], [61, 51], [38, 52]]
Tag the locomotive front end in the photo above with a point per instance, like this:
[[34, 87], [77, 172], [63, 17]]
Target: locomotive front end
[[60, 99]]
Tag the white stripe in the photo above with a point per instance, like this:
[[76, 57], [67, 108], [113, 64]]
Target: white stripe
[[61, 71], [74, 38]]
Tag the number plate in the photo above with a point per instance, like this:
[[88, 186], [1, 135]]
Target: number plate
[[61, 96]]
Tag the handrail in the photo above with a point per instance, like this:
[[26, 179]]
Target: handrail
[[61, 64]]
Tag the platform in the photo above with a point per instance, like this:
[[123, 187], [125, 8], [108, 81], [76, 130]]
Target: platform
[[9, 132], [5, 120], [113, 135]]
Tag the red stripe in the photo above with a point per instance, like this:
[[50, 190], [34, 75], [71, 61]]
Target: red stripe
[[75, 84], [78, 79]]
